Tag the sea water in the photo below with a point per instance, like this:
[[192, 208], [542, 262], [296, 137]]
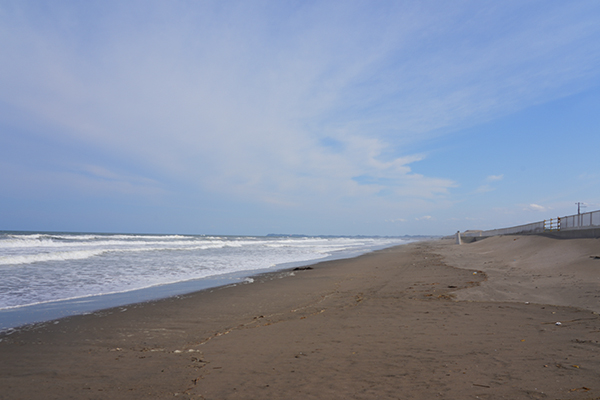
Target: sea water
[[45, 276]]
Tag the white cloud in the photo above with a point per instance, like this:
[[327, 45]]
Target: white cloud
[[484, 189], [493, 178], [221, 116], [238, 101], [424, 218], [396, 220], [536, 207]]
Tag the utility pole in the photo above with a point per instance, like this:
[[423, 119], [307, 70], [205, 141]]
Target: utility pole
[[579, 216]]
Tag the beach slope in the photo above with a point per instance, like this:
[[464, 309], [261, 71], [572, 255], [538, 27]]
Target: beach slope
[[417, 321]]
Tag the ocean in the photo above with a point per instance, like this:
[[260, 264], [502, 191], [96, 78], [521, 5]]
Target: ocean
[[45, 276]]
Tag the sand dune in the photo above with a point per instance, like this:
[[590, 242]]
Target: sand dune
[[532, 269]]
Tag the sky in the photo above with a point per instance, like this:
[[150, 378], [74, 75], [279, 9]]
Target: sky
[[305, 117]]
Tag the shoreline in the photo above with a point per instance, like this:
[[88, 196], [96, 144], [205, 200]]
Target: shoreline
[[20, 316], [385, 324]]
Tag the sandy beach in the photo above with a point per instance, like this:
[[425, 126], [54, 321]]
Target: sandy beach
[[512, 317]]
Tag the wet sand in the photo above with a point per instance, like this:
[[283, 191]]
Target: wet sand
[[421, 321]]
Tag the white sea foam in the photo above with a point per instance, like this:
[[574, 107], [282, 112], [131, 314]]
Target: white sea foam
[[41, 267], [56, 256], [41, 243]]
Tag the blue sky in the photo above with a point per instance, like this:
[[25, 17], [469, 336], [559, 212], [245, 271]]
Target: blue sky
[[315, 117]]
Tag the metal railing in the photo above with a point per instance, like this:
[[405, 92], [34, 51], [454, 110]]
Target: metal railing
[[580, 221], [572, 222]]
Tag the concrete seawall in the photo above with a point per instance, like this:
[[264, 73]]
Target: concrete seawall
[[593, 233]]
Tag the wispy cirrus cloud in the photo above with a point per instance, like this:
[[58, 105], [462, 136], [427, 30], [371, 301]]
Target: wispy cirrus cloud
[[424, 218], [535, 207], [487, 187], [311, 105], [494, 178]]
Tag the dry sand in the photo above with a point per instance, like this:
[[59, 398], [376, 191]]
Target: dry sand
[[385, 325], [532, 269]]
